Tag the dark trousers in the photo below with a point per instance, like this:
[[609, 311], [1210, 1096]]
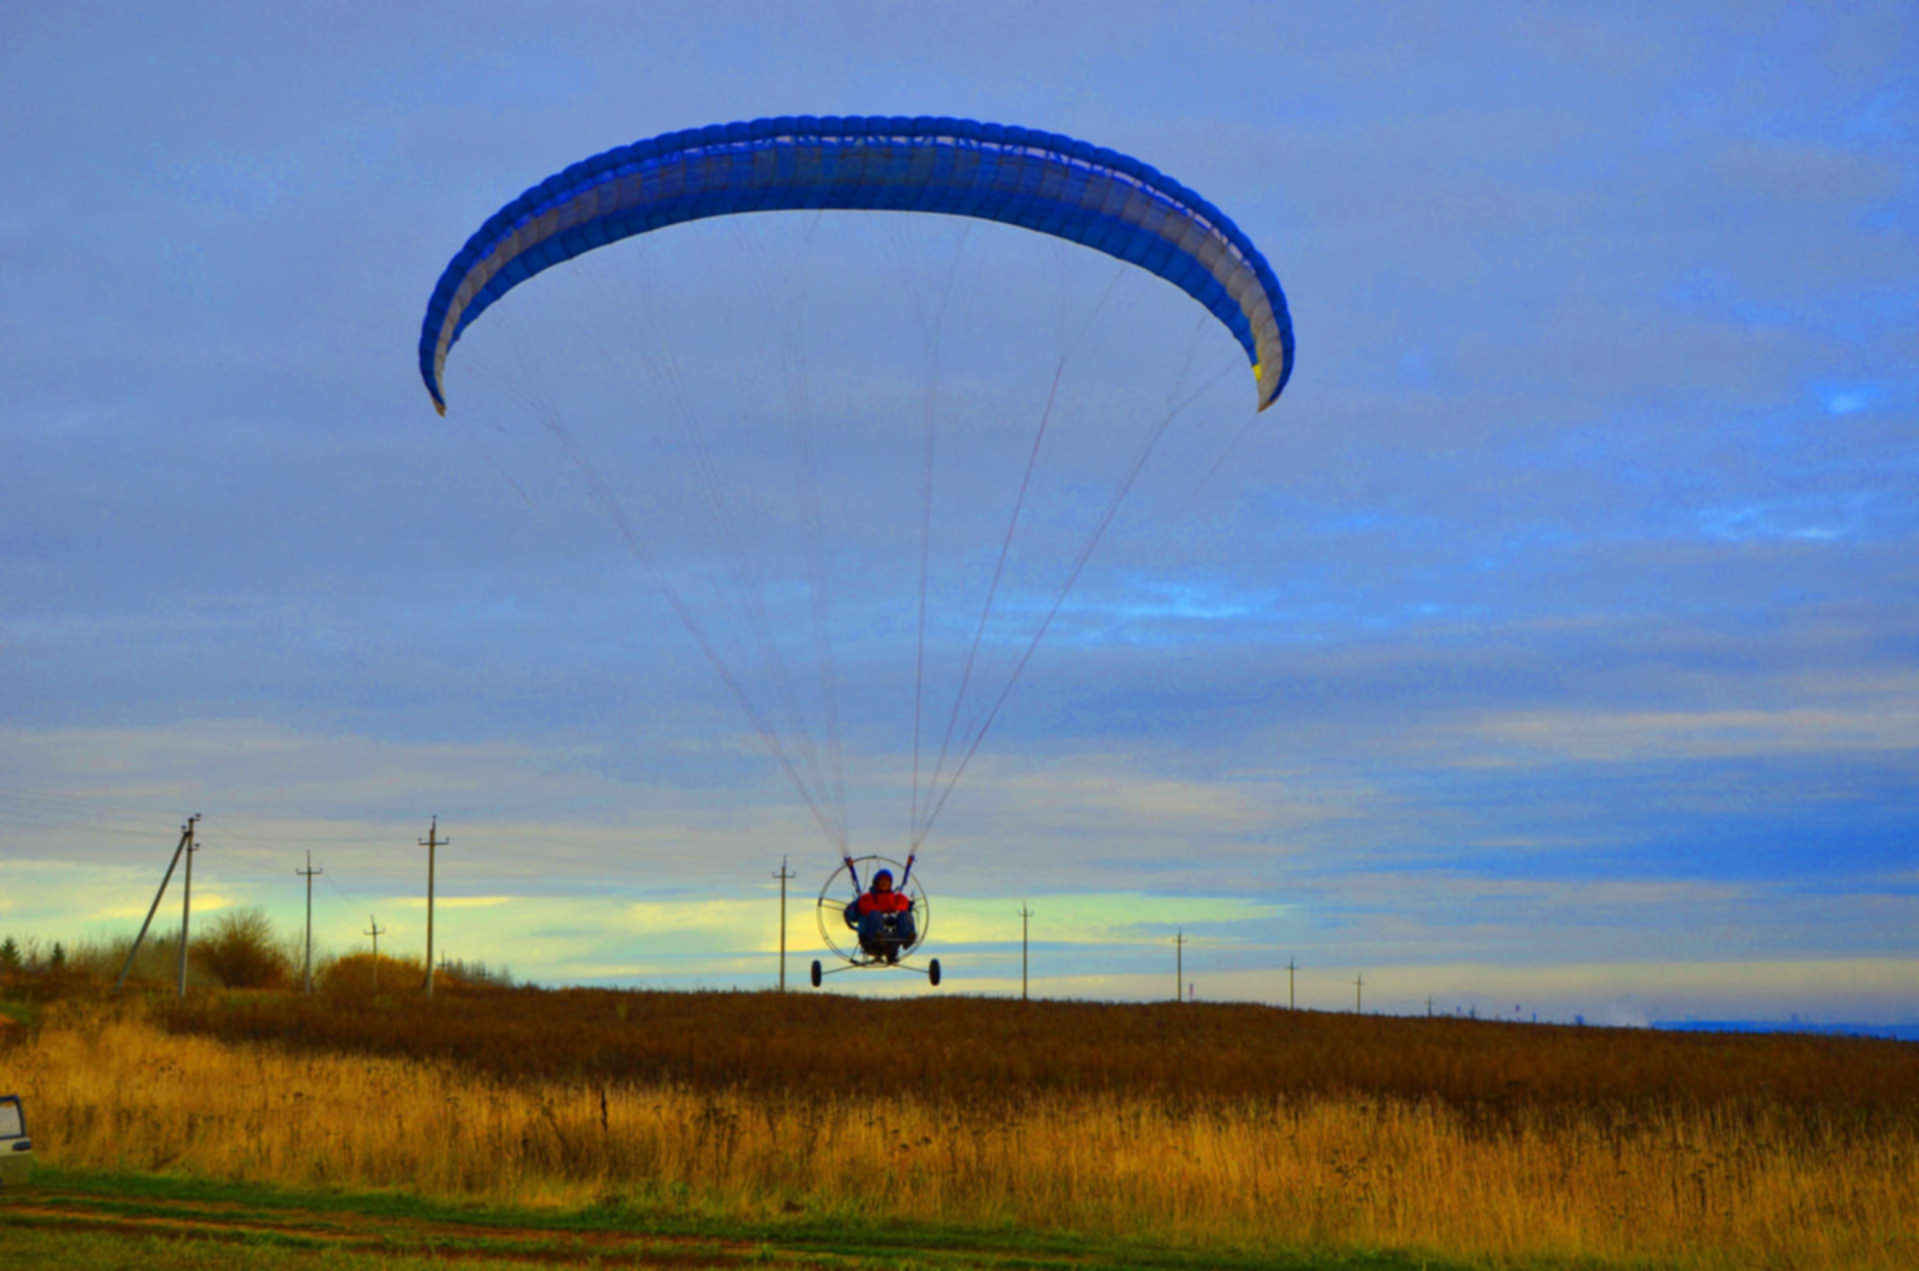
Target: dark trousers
[[886, 935]]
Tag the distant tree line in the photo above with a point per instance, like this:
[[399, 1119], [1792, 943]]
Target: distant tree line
[[237, 949]]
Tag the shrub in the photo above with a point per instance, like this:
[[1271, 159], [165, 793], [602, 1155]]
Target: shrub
[[355, 975], [242, 952]]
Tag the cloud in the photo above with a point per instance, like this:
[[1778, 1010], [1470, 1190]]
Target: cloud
[[1101, 791], [1889, 726], [1094, 918], [1849, 399], [204, 902], [698, 916]]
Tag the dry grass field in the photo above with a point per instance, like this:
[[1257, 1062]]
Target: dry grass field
[[1234, 1127]]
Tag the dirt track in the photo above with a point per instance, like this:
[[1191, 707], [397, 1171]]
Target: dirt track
[[297, 1227], [291, 1232]]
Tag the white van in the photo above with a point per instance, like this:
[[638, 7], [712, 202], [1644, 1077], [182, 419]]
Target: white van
[[16, 1149]]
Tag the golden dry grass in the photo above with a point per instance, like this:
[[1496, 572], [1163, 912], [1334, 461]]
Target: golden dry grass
[[1731, 1185], [976, 1050]]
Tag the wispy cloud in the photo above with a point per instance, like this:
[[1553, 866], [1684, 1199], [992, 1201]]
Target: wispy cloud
[[1891, 726]]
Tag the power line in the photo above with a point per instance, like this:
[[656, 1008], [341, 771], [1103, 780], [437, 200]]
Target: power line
[[309, 873], [431, 843], [374, 929], [1179, 964], [783, 876], [186, 837], [1025, 916], [186, 902]]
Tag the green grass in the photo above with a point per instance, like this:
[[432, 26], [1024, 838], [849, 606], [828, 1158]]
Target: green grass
[[79, 1250], [93, 1220]]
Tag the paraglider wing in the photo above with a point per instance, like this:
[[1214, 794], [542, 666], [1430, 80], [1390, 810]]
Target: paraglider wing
[[1041, 181]]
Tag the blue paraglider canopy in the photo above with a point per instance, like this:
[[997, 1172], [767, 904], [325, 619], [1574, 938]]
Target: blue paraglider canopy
[[1042, 181]]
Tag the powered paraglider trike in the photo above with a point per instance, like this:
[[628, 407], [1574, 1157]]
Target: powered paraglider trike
[[877, 938]]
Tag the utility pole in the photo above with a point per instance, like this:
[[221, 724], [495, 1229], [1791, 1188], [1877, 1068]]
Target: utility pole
[[783, 875], [1359, 983], [431, 843], [374, 929], [186, 837], [1429, 1005], [186, 906], [1179, 963], [1292, 1002], [308, 874], [1025, 923]]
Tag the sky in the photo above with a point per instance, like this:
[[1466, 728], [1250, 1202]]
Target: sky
[[1549, 648]]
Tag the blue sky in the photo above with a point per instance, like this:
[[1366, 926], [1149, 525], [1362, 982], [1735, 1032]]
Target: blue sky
[[1551, 642]]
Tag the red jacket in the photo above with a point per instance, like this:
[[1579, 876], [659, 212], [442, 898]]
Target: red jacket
[[885, 902]]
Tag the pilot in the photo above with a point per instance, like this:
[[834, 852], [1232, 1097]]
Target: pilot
[[885, 918]]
